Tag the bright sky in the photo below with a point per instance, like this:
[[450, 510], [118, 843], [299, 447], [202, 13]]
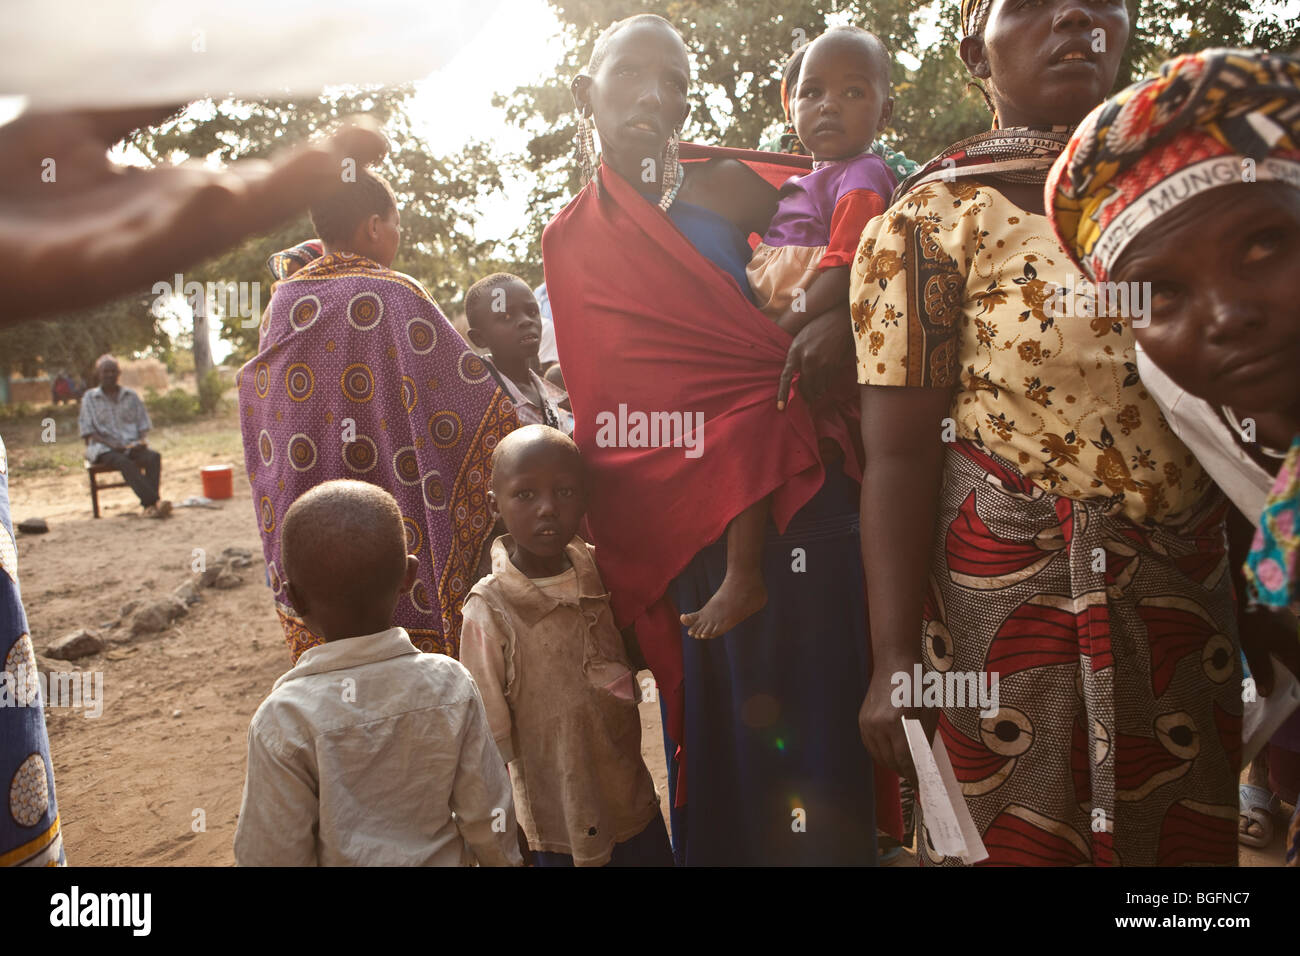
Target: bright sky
[[518, 45]]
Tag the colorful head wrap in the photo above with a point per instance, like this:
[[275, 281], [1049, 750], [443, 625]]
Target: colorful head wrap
[[288, 261], [1272, 569], [974, 16], [1208, 119]]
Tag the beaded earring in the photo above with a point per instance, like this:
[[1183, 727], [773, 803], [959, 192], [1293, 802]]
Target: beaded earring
[[586, 147], [673, 174]]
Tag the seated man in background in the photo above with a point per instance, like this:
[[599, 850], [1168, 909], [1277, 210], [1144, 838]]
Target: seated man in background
[[113, 424]]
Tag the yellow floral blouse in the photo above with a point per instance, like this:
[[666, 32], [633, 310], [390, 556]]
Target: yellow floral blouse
[[953, 287]]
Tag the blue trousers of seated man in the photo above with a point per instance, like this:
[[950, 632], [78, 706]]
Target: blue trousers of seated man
[[140, 468]]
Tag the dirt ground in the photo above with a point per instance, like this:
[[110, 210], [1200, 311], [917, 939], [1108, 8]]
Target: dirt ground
[[157, 778]]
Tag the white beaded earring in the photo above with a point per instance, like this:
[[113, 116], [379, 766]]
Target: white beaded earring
[[586, 147], [673, 174]]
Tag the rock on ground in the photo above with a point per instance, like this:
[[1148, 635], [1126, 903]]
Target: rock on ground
[[188, 592], [156, 615], [76, 645], [237, 557]]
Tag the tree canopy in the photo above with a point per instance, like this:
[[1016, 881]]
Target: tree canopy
[[74, 341]]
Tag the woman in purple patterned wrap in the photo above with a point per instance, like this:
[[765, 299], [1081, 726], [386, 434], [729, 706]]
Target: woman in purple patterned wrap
[[359, 375]]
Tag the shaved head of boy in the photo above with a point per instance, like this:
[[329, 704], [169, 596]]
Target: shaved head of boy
[[344, 551], [539, 489], [872, 48]]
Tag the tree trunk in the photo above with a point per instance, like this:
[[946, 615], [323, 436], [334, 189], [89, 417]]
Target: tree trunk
[[205, 382], [202, 339]]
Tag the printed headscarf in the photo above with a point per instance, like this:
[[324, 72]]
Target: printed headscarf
[[974, 16], [288, 261], [1208, 119]]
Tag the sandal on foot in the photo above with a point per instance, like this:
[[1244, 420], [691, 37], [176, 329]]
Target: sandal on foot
[[1257, 806]]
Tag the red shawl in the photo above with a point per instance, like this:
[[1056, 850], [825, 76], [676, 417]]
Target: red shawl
[[643, 320]]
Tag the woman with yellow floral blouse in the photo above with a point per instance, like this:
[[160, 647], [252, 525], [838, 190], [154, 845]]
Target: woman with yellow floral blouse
[[1043, 523]]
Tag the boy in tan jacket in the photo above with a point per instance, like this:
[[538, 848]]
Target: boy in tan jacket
[[540, 641]]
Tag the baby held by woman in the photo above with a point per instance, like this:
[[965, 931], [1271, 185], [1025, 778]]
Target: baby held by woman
[[800, 271]]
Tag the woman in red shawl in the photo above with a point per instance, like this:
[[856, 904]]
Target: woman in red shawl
[[653, 318]]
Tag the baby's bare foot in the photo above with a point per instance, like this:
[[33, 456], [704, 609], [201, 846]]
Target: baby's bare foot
[[741, 596]]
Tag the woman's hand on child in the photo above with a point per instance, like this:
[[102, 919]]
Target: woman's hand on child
[[821, 349]]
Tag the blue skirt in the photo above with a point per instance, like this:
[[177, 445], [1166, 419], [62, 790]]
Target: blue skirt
[[778, 772], [30, 834]]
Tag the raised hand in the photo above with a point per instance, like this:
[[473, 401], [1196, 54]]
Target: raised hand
[[76, 229]]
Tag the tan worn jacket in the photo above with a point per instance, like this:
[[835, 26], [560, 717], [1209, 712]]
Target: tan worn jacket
[[562, 704]]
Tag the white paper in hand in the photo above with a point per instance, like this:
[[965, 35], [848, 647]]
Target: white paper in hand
[[951, 829], [69, 53]]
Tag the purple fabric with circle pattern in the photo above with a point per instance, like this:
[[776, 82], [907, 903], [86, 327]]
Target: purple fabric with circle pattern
[[359, 375]]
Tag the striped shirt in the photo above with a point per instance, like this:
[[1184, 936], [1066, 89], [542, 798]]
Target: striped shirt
[[122, 420]]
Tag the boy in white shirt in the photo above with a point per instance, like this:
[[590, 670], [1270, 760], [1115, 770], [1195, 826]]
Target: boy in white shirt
[[368, 751]]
